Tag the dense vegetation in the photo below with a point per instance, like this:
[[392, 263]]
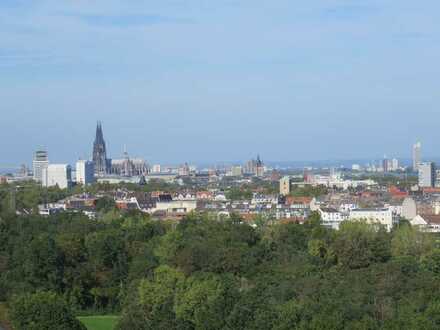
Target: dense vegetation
[[42, 310], [205, 273]]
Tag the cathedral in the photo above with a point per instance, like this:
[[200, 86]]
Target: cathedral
[[100, 154], [104, 166]]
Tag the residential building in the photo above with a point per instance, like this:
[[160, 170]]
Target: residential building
[[427, 174], [85, 171], [409, 208], [57, 175], [40, 162], [428, 223], [382, 216], [331, 217], [170, 206]]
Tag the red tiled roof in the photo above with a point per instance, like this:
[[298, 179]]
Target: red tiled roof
[[298, 200], [431, 190], [431, 218]]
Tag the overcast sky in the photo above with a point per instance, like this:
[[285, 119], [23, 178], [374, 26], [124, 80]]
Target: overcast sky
[[203, 80]]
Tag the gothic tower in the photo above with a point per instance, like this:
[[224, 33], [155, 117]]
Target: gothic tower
[[99, 153]]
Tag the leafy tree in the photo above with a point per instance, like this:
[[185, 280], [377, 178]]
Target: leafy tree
[[155, 304], [309, 191], [239, 194], [358, 244], [431, 261], [205, 301], [42, 311], [105, 204], [288, 316], [409, 241]]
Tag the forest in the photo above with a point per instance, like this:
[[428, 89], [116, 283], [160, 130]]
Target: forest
[[215, 273]]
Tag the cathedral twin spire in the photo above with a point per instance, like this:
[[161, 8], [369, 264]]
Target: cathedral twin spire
[[99, 152]]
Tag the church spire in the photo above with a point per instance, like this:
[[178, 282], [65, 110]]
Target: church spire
[[99, 152], [99, 139]]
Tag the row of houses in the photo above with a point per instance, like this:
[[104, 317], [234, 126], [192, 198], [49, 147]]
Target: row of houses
[[423, 213], [333, 218], [382, 206]]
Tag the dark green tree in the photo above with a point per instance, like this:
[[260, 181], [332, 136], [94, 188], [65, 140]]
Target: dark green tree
[[42, 311]]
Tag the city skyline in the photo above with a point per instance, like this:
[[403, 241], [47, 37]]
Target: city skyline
[[220, 81], [99, 139]]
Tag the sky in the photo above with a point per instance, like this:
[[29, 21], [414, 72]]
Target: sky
[[203, 80]]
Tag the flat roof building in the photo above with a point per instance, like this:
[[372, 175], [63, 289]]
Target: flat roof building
[[57, 175], [39, 163], [85, 172], [427, 174]]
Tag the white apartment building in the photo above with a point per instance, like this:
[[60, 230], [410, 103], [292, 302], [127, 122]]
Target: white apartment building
[[85, 172], [409, 208], [331, 217], [171, 206], [57, 175], [427, 223], [264, 199], [383, 216], [347, 207]]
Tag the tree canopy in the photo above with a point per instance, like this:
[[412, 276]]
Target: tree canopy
[[208, 273]]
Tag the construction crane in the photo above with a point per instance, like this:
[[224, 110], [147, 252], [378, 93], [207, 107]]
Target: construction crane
[[12, 189]]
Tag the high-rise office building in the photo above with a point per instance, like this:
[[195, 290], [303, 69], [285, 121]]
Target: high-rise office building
[[100, 153], [39, 163], [385, 165], [427, 174], [85, 172], [57, 175], [417, 155]]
